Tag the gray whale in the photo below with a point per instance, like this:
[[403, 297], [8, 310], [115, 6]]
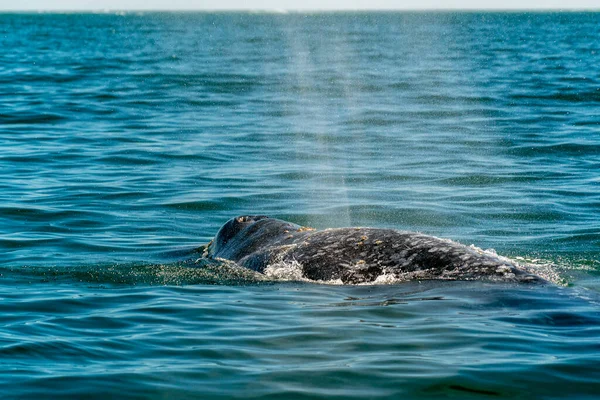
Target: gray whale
[[356, 255]]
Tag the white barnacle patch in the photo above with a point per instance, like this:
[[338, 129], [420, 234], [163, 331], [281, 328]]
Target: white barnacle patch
[[503, 269]]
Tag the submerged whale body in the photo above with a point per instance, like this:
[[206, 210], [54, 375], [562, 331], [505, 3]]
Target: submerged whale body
[[356, 255]]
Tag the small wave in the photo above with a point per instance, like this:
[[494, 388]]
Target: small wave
[[591, 96], [30, 118]]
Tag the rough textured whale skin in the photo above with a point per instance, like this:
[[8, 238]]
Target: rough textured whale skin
[[356, 255]]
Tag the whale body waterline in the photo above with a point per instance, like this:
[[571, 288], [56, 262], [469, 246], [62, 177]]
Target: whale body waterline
[[356, 255]]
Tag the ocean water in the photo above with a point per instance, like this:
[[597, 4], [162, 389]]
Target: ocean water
[[128, 139]]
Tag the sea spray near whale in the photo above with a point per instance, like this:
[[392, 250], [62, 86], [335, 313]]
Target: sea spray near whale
[[356, 255]]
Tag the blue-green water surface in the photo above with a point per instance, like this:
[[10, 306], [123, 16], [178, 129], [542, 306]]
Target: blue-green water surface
[[128, 139]]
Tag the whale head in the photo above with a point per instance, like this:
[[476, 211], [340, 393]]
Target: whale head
[[230, 230], [246, 234]]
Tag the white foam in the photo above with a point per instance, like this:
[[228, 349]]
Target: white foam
[[285, 271], [537, 266]]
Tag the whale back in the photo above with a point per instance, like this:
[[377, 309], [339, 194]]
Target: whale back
[[357, 255]]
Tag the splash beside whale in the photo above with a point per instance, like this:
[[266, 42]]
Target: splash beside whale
[[356, 255]]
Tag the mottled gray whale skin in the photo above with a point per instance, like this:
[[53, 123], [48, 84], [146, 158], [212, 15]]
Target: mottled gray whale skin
[[356, 255]]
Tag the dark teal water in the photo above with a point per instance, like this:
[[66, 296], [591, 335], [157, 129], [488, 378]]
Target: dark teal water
[[127, 140]]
